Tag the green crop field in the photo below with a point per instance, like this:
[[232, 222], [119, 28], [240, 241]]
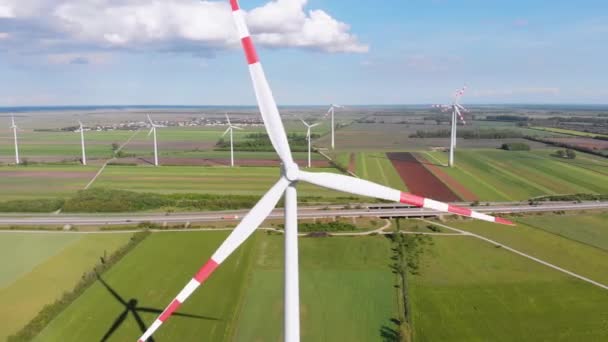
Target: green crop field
[[212, 180], [43, 181], [590, 229], [43, 267], [152, 274], [376, 167], [468, 290], [569, 132], [346, 290], [495, 175], [574, 256]]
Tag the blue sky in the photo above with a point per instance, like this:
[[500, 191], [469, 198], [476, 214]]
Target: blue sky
[[394, 52]]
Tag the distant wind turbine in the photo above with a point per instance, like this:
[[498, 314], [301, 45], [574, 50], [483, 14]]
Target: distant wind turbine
[[331, 112], [84, 154], [456, 108], [308, 137], [231, 129], [153, 131], [14, 128]]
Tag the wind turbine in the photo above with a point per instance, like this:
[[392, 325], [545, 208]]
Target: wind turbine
[[456, 108], [290, 176], [308, 137], [153, 131], [14, 128], [84, 154], [331, 112], [230, 129]]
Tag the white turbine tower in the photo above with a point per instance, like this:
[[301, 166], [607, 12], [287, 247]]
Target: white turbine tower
[[14, 128], [153, 131], [230, 129], [286, 185], [455, 107], [84, 154], [331, 112], [308, 137]]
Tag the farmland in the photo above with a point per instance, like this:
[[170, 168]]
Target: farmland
[[569, 132], [39, 275], [340, 271], [468, 290], [495, 175], [377, 167]]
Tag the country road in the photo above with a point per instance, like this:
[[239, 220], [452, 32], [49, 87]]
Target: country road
[[366, 210]]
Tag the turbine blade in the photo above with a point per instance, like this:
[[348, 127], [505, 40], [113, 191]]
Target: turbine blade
[[151, 130], [237, 127], [150, 119], [227, 130], [245, 228], [460, 114], [315, 125], [305, 123], [266, 103], [228, 119], [366, 188]]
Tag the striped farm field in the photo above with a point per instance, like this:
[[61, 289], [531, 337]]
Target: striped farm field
[[469, 290], [497, 175], [211, 180], [43, 181], [43, 267], [377, 167]]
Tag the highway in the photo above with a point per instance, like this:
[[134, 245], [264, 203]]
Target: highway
[[365, 210]]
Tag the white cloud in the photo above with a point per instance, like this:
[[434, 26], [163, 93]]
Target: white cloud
[[4, 35], [181, 24], [79, 58]]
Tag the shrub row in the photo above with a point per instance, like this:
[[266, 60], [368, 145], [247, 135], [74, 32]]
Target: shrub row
[[31, 206]]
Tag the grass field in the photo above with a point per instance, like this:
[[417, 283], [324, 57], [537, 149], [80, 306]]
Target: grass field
[[212, 180], [43, 181], [44, 267], [376, 167], [153, 274], [590, 229], [569, 132], [495, 175], [468, 290], [574, 256], [346, 290]]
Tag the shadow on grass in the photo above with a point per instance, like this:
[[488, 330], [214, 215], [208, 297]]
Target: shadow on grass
[[132, 306]]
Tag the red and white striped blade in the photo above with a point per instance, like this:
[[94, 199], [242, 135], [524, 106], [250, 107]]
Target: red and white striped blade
[[245, 228], [460, 115], [366, 188], [263, 93]]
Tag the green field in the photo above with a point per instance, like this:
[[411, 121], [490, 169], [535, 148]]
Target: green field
[[590, 229], [153, 274], [468, 290], [346, 290], [212, 180], [569, 132], [376, 167], [43, 181], [497, 175], [42, 267]]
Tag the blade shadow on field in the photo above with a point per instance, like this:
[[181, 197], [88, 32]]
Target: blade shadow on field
[[132, 306]]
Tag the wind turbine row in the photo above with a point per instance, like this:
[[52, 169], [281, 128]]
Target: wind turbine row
[[456, 107], [308, 137], [230, 129], [291, 175]]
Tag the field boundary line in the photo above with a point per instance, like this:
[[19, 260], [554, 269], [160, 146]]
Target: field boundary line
[[557, 268], [435, 159], [488, 161], [332, 161], [384, 178]]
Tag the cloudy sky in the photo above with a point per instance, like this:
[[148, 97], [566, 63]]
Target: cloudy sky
[[185, 52]]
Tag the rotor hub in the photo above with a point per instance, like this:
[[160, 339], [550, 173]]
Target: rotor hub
[[291, 171]]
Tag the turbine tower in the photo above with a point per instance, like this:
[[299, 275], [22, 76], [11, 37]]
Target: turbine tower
[[286, 185], [455, 107], [14, 128], [153, 131], [308, 137], [84, 154], [230, 129], [331, 112]]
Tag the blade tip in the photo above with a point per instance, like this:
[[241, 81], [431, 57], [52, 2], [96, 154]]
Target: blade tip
[[504, 221]]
